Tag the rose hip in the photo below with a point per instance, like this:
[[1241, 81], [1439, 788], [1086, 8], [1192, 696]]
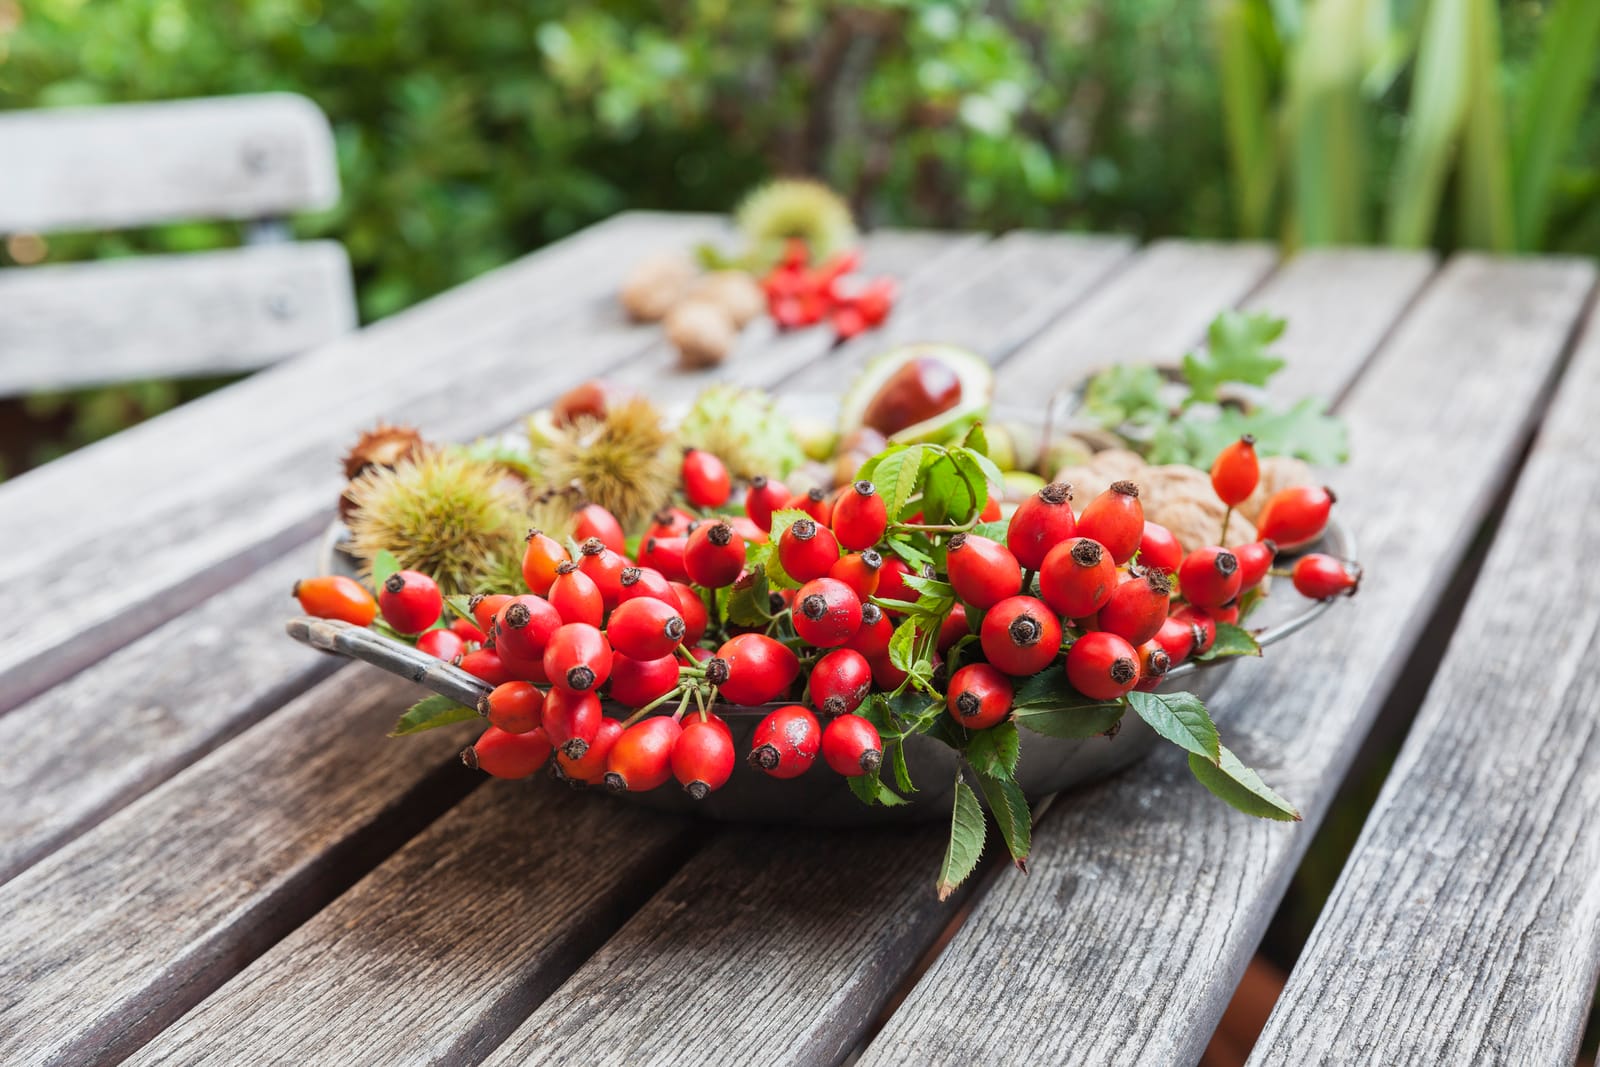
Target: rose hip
[[335, 596], [1040, 523], [1115, 518], [507, 755], [852, 747]]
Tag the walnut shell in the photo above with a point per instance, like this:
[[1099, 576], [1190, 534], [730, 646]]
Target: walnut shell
[[656, 285], [1089, 480], [1277, 472], [735, 292], [1181, 499], [702, 332]]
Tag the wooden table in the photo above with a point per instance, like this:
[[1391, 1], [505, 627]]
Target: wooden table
[[208, 849]]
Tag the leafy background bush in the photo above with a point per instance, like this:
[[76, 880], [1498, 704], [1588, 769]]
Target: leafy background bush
[[472, 132]]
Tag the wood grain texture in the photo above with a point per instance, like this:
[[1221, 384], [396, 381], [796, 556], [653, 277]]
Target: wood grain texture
[[173, 316], [854, 915], [184, 505], [1337, 301], [237, 668], [114, 936], [991, 304], [1146, 896], [238, 157], [480, 950], [121, 728], [772, 947], [1466, 925], [437, 954], [1133, 319], [764, 354]]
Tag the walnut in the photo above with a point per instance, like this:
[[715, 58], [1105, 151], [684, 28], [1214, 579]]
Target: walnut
[[1089, 480], [735, 291], [656, 285], [702, 332], [1181, 499]]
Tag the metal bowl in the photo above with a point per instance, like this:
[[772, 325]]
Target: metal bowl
[[820, 798]]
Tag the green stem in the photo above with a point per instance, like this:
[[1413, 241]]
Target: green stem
[[657, 702], [936, 528], [1226, 515]]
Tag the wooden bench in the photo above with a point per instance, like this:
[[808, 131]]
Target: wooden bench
[[215, 852], [256, 159]]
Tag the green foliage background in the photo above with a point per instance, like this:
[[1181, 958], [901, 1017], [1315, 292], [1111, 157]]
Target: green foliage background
[[474, 131]]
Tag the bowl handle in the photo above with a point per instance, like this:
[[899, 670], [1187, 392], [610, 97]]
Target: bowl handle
[[396, 657]]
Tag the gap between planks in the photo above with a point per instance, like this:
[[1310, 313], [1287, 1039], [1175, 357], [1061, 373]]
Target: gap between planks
[[238, 938], [1465, 924], [834, 921], [1147, 971]]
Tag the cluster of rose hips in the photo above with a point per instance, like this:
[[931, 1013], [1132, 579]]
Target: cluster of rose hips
[[1114, 590], [799, 295], [1117, 589]]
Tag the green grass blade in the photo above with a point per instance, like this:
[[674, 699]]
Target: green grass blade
[[1569, 52], [1327, 127], [1438, 106], [1487, 218], [1245, 42]]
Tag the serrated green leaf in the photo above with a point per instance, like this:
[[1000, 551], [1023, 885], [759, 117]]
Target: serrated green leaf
[[897, 761], [1085, 720], [1237, 352], [896, 477], [429, 713], [994, 751], [458, 606], [1241, 787], [1305, 431], [932, 588], [383, 565], [992, 474], [902, 645], [976, 439], [914, 548], [1122, 392], [1232, 641], [868, 470], [966, 840], [1180, 718], [869, 789], [942, 490], [974, 485], [751, 605], [1011, 814], [994, 531]]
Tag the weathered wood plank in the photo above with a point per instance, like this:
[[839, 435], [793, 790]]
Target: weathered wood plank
[[1337, 301], [239, 157], [764, 354], [1466, 925], [183, 505], [476, 950], [772, 947], [434, 956], [855, 911], [992, 306], [88, 746], [114, 936], [238, 666], [1147, 897], [1129, 321], [170, 316]]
